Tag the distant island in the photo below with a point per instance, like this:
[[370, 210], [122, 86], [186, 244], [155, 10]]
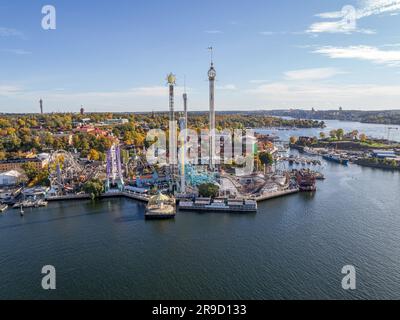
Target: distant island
[[389, 117]]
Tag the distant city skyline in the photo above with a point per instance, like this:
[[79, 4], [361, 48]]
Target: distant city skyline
[[114, 56]]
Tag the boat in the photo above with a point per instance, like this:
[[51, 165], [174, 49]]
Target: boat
[[3, 207], [336, 158], [306, 180], [310, 151], [319, 176], [31, 204], [161, 206]]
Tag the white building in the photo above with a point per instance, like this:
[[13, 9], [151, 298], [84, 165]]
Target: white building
[[10, 178]]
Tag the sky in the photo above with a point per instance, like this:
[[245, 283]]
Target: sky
[[268, 54]]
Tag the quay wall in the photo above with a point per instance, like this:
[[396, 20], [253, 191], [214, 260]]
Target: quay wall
[[103, 196], [143, 198], [276, 194]]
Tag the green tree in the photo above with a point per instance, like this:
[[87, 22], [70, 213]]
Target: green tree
[[94, 187], [35, 176], [30, 170], [266, 158], [208, 190], [340, 134]]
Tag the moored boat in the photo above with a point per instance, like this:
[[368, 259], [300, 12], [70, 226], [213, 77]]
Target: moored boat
[[336, 158], [306, 180]]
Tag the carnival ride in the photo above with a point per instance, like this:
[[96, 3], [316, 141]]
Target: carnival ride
[[67, 174], [114, 169], [196, 176]]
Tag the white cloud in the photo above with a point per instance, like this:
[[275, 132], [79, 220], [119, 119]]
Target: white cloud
[[337, 27], [8, 32], [373, 54], [374, 7], [312, 74], [6, 90], [227, 87], [391, 45], [349, 16]]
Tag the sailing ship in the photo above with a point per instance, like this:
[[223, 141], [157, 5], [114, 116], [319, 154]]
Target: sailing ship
[[306, 180]]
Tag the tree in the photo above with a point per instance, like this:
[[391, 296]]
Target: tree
[[208, 190], [363, 137], [354, 134], [35, 176], [322, 135], [94, 155], [340, 134], [30, 170], [293, 140], [94, 187], [266, 158], [333, 134]]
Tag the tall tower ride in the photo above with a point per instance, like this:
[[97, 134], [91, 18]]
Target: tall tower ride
[[185, 110], [183, 125], [171, 79], [211, 77], [41, 106]]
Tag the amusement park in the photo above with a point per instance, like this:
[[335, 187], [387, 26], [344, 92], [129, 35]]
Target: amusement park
[[215, 171]]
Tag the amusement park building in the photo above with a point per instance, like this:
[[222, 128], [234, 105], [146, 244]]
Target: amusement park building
[[10, 178]]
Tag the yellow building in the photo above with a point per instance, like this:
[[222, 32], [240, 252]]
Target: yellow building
[[16, 164]]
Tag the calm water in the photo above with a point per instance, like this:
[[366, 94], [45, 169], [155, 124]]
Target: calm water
[[295, 247], [379, 131]]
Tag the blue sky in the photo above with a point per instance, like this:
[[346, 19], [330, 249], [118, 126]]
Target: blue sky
[[114, 55]]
